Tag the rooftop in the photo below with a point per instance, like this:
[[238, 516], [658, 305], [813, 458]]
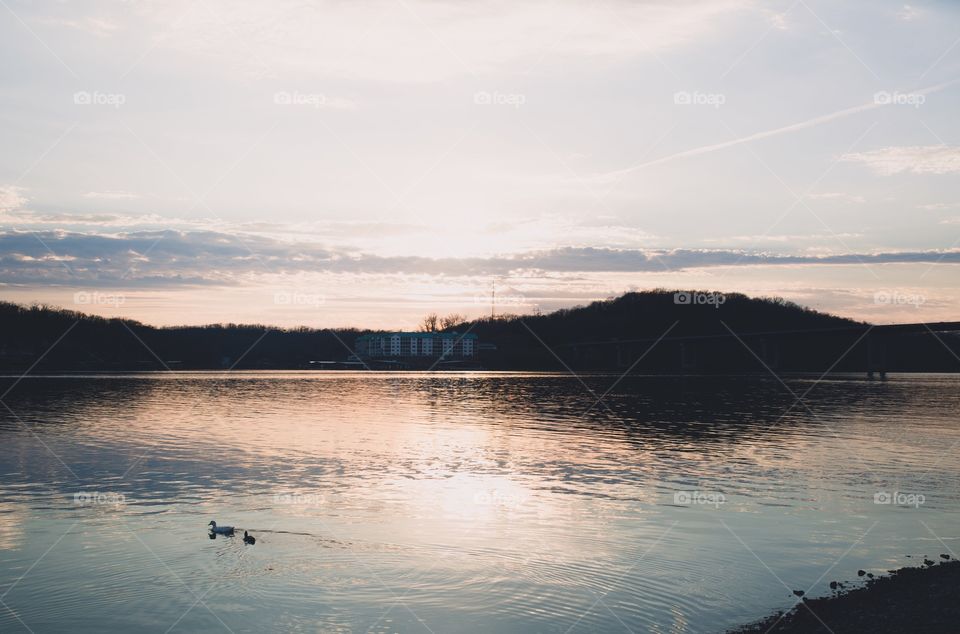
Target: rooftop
[[429, 335]]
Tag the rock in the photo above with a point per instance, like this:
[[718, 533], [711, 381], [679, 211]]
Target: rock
[[928, 562], [834, 585], [947, 557], [869, 575], [799, 593], [860, 573]]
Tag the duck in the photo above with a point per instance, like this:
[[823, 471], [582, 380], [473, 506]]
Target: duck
[[220, 530], [249, 539]]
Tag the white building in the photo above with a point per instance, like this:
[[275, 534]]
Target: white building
[[448, 345]]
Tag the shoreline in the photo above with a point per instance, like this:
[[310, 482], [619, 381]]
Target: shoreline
[[17, 372], [909, 599]]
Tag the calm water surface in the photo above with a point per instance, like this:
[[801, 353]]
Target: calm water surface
[[460, 503]]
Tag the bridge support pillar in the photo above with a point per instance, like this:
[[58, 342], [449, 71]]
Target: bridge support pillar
[[876, 356], [688, 356], [770, 352]]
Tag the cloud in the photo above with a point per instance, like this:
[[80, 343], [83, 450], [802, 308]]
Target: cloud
[[112, 194], [792, 239], [916, 159], [177, 258], [100, 27], [11, 198], [24, 219], [847, 198], [422, 40]]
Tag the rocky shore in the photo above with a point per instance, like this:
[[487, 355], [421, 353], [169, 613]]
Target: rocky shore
[[922, 599]]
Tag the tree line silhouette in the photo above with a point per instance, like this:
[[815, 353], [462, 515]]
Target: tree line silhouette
[[613, 334]]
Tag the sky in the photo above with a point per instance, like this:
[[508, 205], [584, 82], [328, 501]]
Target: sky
[[363, 163]]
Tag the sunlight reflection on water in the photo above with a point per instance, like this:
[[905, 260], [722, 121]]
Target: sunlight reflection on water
[[473, 503]]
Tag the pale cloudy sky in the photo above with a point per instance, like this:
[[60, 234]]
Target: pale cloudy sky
[[335, 163]]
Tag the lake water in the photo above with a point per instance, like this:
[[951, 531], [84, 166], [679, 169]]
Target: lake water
[[473, 502]]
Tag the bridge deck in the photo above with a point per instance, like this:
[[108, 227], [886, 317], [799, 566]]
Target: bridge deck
[[917, 328]]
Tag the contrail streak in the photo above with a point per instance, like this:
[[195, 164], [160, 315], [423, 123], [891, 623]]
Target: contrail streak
[[802, 125]]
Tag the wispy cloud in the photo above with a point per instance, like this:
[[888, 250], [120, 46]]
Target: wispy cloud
[[765, 134], [420, 40], [112, 194], [908, 13], [917, 159], [841, 196], [778, 20], [781, 239], [98, 26]]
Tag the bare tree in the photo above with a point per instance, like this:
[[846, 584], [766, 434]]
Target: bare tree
[[430, 323], [452, 321]]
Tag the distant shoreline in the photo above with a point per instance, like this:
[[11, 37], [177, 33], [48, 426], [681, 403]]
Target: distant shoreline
[[912, 599], [649, 332], [12, 373]]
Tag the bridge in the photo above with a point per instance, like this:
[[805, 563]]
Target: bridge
[[875, 349]]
